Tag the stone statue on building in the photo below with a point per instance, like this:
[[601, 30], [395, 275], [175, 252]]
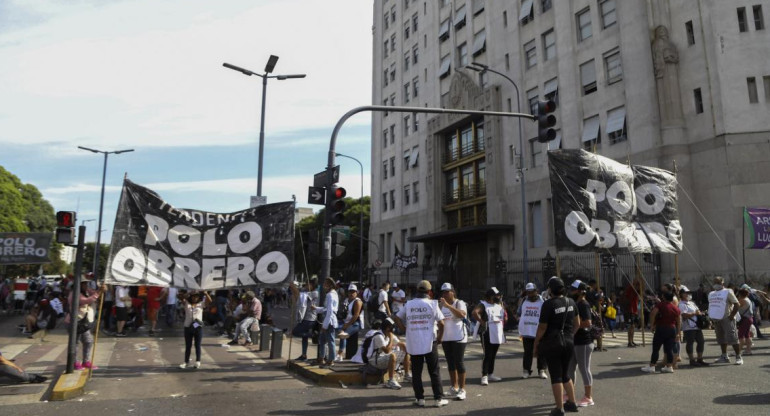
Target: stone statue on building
[[665, 60]]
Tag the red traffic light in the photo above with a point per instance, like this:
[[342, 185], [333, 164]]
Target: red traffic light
[[339, 193], [66, 219], [544, 107]]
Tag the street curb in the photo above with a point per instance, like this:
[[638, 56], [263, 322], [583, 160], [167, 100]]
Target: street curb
[[347, 374], [69, 386]]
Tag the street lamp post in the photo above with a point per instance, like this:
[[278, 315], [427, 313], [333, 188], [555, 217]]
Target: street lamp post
[[360, 221], [475, 66], [101, 204], [268, 69]]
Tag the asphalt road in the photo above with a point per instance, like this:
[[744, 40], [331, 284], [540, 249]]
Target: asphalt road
[[139, 375]]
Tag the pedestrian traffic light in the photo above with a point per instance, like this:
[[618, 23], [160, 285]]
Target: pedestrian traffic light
[[335, 203], [65, 227], [545, 121]]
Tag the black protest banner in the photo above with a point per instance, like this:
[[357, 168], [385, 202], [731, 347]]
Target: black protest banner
[[404, 262], [25, 248], [154, 243], [600, 204]]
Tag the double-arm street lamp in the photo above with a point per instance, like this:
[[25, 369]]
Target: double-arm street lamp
[[101, 204], [360, 220], [481, 68], [268, 69]]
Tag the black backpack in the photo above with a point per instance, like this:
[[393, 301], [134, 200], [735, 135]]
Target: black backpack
[[373, 304], [342, 310], [365, 347]]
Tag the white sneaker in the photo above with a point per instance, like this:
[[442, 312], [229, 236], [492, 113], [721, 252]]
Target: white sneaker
[[542, 374], [393, 384], [484, 381], [493, 377], [408, 377], [197, 364], [338, 358], [525, 374], [460, 395], [183, 366], [649, 369], [419, 402], [441, 402], [666, 369], [722, 359], [452, 391], [343, 335], [739, 360]]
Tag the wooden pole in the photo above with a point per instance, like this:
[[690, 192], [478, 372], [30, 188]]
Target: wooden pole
[[677, 282], [597, 270], [642, 291], [96, 334]]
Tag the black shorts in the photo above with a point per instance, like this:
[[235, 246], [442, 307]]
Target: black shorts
[[121, 314], [632, 319]]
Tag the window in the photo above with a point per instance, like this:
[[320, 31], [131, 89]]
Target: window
[[406, 4], [536, 152], [462, 55], [393, 72], [415, 54], [386, 18], [452, 186], [444, 3], [385, 170], [385, 81], [480, 135], [407, 154], [532, 98], [392, 166], [698, 99], [505, 18], [546, 5], [393, 14], [616, 125], [392, 99], [466, 142], [607, 8], [549, 45], [415, 123], [590, 137], [392, 134], [584, 25], [446, 65], [407, 58], [414, 24], [384, 204], [551, 89], [407, 194], [530, 54], [536, 224], [478, 7], [415, 87], [407, 88], [527, 13], [479, 42], [451, 147], [766, 81], [460, 17], [690, 33], [393, 42], [507, 62], [613, 67], [392, 199], [415, 192], [389, 245], [743, 25], [414, 157], [407, 29], [385, 49], [588, 77], [385, 138], [759, 20], [406, 125], [443, 30], [751, 82]]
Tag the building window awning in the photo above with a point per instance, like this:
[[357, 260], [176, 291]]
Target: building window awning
[[460, 17], [413, 157], [616, 120], [459, 234], [479, 42], [478, 6], [550, 87], [445, 66], [591, 129], [443, 31], [555, 143], [526, 9]]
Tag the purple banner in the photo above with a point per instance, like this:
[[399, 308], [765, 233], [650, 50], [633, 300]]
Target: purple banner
[[758, 224]]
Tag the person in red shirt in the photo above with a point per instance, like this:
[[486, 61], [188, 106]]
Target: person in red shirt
[[632, 315], [154, 296], [666, 321]]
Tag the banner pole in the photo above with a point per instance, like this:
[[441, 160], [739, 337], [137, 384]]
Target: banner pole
[[642, 291], [743, 244], [597, 271], [96, 334], [677, 282]]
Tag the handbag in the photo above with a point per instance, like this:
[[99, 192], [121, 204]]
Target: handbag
[[84, 325], [702, 322]]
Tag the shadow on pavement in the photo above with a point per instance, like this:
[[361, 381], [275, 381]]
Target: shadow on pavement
[[352, 406], [744, 399]]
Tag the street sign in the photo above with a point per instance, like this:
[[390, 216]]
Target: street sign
[[344, 229], [315, 195], [327, 177], [377, 263], [334, 175]]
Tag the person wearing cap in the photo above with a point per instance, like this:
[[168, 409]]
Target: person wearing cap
[[723, 306], [559, 321], [528, 322], [329, 327], [455, 338], [490, 316], [692, 334], [305, 300], [398, 298], [418, 318], [583, 343], [85, 321], [354, 320]]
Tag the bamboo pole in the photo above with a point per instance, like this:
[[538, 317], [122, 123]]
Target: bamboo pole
[[642, 291], [96, 333]]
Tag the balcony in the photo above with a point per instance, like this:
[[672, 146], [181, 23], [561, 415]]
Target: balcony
[[470, 149], [466, 193]]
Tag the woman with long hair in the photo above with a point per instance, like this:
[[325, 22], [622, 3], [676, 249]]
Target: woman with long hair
[[584, 343], [194, 304]]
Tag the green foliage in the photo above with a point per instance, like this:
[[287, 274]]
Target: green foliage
[[88, 258], [12, 204]]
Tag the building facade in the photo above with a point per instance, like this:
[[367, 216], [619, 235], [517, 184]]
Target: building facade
[[680, 84]]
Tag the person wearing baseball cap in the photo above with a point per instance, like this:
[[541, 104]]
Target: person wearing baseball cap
[[354, 319], [554, 339], [692, 334], [455, 339], [491, 318], [418, 318], [530, 318]]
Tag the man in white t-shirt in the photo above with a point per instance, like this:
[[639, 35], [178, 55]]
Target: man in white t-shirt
[[399, 298], [419, 317], [383, 310], [723, 306], [122, 303]]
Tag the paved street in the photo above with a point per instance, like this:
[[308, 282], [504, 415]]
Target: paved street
[[140, 375]]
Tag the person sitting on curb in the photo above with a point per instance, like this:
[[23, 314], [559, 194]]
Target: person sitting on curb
[[17, 374], [252, 309]]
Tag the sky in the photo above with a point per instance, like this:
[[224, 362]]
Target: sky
[[147, 75]]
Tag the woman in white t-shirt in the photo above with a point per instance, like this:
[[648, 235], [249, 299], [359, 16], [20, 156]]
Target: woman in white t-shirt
[[490, 316], [455, 338], [692, 334], [194, 304]]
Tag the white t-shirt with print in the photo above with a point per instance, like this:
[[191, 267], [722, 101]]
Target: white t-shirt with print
[[398, 294], [454, 328], [495, 320], [382, 299], [688, 324], [420, 316]]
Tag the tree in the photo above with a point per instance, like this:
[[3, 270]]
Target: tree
[[12, 206], [88, 258]]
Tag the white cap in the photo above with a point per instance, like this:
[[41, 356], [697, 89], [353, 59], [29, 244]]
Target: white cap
[[577, 284], [530, 286], [684, 288], [352, 288], [395, 284], [494, 290], [446, 286]]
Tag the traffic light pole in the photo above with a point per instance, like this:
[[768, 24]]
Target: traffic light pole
[[326, 258], [75, 306]]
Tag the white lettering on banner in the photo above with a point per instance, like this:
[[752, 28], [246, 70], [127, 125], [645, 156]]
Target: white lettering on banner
[[650, 191], [763, 220]]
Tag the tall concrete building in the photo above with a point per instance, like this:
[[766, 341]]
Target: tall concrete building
[[680, 84]]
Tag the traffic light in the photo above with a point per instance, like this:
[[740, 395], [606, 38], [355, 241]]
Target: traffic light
[[337, 247], [335, 203], [65, 227], [546, 121]]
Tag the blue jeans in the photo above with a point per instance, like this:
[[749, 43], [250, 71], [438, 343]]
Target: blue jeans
[[221, 308], [305, 330], [352, 330], [326, 345]]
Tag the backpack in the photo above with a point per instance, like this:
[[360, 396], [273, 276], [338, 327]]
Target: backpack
[[342, 311], [365, 347], [373, 304]]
